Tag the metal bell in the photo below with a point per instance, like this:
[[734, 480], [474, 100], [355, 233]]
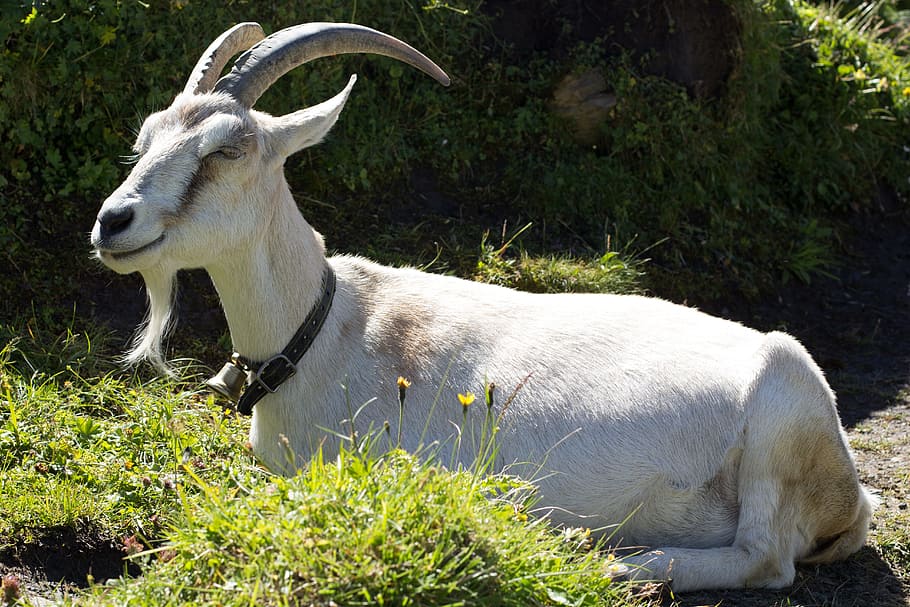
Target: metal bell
[[228, 382]]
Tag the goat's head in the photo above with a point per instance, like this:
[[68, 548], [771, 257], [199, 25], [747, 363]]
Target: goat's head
[[208, 165]]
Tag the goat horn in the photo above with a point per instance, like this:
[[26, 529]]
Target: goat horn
[[239, 38], [258, 68]]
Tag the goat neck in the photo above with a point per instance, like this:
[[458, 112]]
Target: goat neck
[[267, 288]]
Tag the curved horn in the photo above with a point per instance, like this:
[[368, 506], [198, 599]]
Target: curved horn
[[239, 38], [257, 69]]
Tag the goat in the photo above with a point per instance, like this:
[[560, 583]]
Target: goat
[[718, 445]]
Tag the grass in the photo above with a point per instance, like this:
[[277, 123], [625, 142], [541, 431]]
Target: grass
[[872, 445], [161, 473], [354, 530], [611, 272], [97, 450]]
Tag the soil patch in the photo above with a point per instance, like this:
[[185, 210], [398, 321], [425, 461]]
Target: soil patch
[[65, 558]]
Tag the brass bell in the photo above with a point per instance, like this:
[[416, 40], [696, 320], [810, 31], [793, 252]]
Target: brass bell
[[229, 381]]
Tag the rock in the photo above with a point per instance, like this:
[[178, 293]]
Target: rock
[[584, 101]]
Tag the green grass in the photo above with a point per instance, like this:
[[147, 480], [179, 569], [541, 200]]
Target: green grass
[[158, 468], [611, 272], [101, 451], [359, 530]]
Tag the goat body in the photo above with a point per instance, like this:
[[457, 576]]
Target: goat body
[[719, 446]]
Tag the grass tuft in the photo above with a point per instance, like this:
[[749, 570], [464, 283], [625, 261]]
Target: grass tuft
[[359, 530], [612, 272]]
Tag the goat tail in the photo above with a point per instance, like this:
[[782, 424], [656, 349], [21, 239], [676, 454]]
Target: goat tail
[[148, 343]]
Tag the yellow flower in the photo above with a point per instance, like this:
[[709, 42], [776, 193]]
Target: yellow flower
[[403, 383], [466, 399], [906, 91]]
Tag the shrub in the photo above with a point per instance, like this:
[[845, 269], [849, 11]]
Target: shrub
[[746, 188]]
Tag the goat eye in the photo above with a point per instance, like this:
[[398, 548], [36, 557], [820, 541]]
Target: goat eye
[[228, 152]]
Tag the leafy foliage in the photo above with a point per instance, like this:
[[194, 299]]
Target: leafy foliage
[[747, 188]]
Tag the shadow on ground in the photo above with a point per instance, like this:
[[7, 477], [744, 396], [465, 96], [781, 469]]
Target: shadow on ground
[[855, 323], [865, 580]]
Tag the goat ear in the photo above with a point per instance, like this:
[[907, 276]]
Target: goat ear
[[294, 132]]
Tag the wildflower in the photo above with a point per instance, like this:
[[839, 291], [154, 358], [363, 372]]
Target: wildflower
[[169, 482], [10, 589], [128, 465], [403, 386], [466, 399], [905, 91]]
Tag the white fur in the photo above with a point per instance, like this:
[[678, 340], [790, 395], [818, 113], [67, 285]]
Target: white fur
[[721, 445]]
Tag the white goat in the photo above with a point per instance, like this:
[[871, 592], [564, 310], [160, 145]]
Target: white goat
[[718, 445]]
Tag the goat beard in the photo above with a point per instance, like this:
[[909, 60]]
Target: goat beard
[[148, 343]]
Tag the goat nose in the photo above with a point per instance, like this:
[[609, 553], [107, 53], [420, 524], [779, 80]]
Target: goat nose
[[114, 221]]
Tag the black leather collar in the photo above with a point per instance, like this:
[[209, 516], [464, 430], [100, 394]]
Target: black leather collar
[[266, 377]]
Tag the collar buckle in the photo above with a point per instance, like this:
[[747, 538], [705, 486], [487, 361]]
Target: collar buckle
[[270, 377]]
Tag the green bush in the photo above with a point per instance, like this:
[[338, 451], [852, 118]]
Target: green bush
[[747, 188]]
